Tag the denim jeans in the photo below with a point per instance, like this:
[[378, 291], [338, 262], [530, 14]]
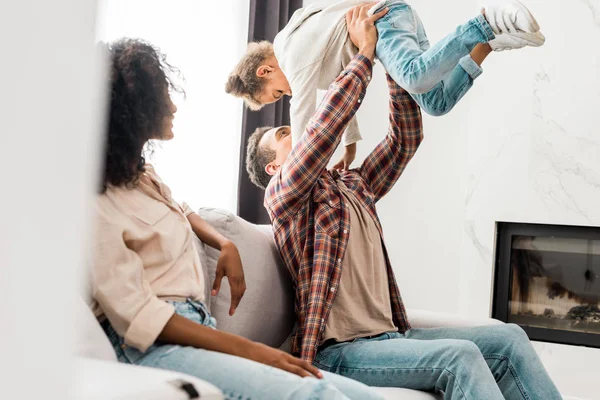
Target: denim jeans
[[487, 362], [437, 77], [238, 378]]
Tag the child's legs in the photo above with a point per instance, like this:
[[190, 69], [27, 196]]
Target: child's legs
[[446, 94], [403, 49]]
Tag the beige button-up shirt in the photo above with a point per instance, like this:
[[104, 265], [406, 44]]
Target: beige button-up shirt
[[144, 255]]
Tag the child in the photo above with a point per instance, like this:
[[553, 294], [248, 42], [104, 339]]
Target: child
[[314, 47]]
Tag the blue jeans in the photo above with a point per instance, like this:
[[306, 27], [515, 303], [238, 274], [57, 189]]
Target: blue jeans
[[237, 377], [487, 362], [437, 77]]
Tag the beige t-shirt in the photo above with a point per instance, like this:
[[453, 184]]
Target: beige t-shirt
[[312, 50], [362, 306], [144, 254]]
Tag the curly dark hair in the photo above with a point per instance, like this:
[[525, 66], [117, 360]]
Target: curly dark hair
[[139, 102], [257, 158]]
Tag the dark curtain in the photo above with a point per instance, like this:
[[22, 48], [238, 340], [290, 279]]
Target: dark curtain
[[267, 18]]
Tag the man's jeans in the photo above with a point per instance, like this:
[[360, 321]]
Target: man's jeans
[[238, 378], [437, 77], [478, 363]]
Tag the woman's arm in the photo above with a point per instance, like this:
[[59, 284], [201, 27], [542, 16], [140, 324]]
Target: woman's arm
[[229, 264], [207, 233], [184, 332]]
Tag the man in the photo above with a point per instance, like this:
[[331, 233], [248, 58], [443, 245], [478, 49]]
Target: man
[[351, 319]]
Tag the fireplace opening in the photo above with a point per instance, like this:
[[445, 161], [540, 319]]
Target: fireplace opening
[[547, 280]]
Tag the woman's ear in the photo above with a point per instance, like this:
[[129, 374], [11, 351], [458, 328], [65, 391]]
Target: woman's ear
[[264, 70]]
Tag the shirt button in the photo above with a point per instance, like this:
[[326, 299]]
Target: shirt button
[[322, 320], [332, 289], [359, 100], [368, 78], [339, 260], [345, 231], [331, 203]]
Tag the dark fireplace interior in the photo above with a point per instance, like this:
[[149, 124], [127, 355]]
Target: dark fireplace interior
[[547, 281]]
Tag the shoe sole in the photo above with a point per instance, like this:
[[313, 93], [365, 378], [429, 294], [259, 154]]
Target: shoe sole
[[533, 24], [531, 39]]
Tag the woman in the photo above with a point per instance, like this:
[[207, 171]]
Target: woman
[[147, 278]]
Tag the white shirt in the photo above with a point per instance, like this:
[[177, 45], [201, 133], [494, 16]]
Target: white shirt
[[312, 50]]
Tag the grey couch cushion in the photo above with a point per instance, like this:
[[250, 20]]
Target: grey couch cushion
[[266, 312], [201, 249]]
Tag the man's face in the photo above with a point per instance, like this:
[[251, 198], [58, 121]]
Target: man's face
[[280, 141]]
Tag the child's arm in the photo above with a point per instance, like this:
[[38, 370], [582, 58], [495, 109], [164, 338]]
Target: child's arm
[[350, 138], [304, 103], [352, 134], [304, 100], [347, 158]]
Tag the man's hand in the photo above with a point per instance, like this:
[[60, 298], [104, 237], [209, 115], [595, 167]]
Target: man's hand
[[279, 359], [361, 28], [347, 158], [230, 265]]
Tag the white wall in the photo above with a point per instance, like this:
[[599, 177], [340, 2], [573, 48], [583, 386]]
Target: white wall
[[204, 40], [50, 106]]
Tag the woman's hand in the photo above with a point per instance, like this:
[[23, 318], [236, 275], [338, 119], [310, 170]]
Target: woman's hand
[[185, 332], [279, 359], [230, 265]]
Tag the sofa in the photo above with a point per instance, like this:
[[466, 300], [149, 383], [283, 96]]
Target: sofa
[[266, 315]]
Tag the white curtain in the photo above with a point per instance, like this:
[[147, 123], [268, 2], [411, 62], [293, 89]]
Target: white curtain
[[204, 40]]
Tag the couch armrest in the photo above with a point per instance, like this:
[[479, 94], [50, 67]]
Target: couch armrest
[[432, 319], [101, 380]]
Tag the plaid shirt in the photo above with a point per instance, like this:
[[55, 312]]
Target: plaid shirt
[[310, 218]]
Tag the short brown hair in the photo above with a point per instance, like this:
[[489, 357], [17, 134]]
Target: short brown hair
[[243, 82], [257, 158]]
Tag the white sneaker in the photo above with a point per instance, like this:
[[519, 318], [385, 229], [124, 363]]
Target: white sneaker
[[513, 41], [510, 17]]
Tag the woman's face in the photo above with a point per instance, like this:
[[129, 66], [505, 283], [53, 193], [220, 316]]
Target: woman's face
[[167, 128]]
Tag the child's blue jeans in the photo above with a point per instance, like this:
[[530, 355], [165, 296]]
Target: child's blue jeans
[[439, 76]]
